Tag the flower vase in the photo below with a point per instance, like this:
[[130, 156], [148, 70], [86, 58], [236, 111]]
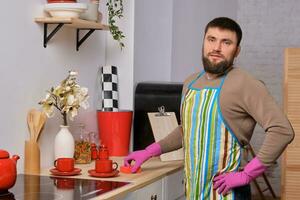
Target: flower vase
[[64, 143]]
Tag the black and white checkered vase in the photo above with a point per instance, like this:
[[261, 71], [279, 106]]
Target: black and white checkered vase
[[109, 78]]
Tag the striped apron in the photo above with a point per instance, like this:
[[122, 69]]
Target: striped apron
[[210, 147]]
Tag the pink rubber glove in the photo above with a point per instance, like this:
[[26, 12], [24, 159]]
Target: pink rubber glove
[[141, 156], [227, 181]]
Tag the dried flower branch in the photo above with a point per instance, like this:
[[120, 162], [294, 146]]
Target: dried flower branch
[[67, 97]]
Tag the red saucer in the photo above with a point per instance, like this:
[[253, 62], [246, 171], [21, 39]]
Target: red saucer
[[93, 173], [76, 171]]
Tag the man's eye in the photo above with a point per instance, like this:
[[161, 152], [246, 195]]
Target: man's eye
[[227, 42]]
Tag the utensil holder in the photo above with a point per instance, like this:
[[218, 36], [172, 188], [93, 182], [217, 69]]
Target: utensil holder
[[32, 158], [32, 187]]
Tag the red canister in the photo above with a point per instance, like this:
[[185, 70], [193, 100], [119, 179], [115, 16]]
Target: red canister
[[114, 131]]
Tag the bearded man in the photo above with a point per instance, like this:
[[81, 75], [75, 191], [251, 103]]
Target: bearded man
[[219, 109]]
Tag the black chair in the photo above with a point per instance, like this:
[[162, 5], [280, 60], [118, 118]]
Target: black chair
[[148, 97]]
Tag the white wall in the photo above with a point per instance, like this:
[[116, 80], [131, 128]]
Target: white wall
[[153, 40], [124, 59], [28, 70], [168, 36]]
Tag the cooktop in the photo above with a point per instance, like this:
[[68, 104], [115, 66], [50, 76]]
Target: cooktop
[[34, 187]]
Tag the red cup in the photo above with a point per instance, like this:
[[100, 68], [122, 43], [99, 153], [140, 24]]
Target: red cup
[[105, 166], [64, 164]]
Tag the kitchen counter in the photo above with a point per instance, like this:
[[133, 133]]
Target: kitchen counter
[[152, 170]]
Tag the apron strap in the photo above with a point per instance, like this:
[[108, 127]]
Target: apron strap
[[193, 81]]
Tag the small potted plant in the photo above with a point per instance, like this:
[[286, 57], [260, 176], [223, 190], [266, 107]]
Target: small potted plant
[[115, 11], [67, 97]]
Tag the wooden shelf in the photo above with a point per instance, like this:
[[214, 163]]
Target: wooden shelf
[[72, 22], [76, 23]]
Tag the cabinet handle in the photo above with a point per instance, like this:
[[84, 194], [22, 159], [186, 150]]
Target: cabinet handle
[[154, 197]]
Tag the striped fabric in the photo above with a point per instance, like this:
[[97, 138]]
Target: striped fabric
[[209, 148]]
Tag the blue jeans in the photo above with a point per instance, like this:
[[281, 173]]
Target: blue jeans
[[243, 193]]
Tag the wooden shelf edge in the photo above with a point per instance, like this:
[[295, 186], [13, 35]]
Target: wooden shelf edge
[[72, 22]]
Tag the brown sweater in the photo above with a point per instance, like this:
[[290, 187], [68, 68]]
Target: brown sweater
[[244, 102]]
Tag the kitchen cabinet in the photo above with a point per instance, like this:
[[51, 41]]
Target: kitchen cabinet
[[173, 186], [170, 187], [153, 191], [75, 23]]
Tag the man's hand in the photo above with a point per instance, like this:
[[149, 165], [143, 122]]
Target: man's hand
[[142, 156], [225, 182]]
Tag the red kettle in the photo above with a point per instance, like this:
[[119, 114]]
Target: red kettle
[[8, 170]]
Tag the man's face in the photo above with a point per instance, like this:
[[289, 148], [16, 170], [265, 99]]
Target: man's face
[[219, 50]]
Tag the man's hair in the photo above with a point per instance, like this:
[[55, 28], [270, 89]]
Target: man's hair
[[227, 24]]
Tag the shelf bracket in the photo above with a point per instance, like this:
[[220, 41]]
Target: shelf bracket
[[80, 41], [48, 37]]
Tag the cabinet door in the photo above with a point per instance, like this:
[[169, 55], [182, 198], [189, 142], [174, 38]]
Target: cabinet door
[[130, 196], [174, 186], [149, 192]]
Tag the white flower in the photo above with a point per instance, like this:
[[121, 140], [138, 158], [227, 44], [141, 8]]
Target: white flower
[[73, 113], [73, 73], [49, 110], [70, 100], [84, 104], [84, 91], [68, 88]]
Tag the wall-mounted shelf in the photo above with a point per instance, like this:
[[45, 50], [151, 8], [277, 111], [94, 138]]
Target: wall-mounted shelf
[[78, 24]]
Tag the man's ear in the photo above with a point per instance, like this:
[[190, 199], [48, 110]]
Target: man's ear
[[237, 51]]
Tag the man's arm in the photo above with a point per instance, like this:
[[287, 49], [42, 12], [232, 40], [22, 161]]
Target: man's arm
[[173, 141]]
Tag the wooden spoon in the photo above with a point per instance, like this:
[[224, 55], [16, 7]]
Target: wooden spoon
[[36, 119], [30, 124]]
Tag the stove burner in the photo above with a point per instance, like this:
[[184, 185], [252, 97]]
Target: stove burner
[[56, 188], [6, 195]]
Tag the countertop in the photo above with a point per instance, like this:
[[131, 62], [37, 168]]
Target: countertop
[[152, 170]]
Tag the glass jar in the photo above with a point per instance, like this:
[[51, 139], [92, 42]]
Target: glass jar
[[82, 153]]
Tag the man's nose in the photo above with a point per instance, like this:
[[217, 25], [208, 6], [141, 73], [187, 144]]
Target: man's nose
[[218, 46]]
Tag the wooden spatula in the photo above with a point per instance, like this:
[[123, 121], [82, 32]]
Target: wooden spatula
[[39, 126]]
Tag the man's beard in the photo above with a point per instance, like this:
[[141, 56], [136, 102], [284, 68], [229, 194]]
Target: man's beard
[[218, 68]]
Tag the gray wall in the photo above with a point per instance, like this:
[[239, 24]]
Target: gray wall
[[168, 36], [269, 26], [189, 20]]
